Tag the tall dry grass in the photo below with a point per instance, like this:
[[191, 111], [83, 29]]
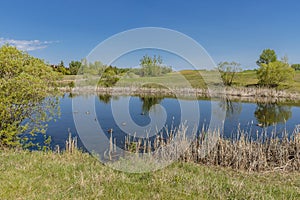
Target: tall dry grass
[[243, 153], [265, 153], [229, 92]]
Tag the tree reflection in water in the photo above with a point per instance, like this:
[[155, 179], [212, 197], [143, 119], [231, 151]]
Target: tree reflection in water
[[149, 101], [105, 98], [271, 113], [232, 108]]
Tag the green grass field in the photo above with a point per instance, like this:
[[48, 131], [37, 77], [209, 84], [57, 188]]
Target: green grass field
[[192, 78], [196, 79], [41, 175], [182, 79]]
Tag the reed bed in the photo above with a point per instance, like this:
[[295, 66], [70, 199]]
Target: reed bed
[[241, 152], [264, 154], [270, 153]]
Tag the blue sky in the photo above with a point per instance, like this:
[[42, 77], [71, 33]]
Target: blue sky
[[236, 30]]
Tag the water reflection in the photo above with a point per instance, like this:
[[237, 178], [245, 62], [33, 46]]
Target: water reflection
[[71, 95], [238, 115], [266, 114], [271, 113], [232, 108], [149, 101], [105, 98]]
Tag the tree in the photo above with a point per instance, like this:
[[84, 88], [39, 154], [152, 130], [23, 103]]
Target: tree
[[74, 66], [25, 85], [296, 66], [274, 74], [62, 69], [153, 66], [61, 64], [228, 71], [285, 59], [267, 56]]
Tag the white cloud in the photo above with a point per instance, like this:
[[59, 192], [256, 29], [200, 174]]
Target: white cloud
[[26, 45]]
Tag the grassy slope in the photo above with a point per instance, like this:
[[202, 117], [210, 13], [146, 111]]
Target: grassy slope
[[184, 79], [194, 77], [39, 175]]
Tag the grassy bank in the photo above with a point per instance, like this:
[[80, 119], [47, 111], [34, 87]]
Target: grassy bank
[[40, 175], [244, 82]]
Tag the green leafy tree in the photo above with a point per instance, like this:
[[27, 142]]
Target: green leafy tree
[[267, 56], [74, 67], [62, 69], [25, 85], [96, 68], [275, 73], [296, 67], [228, 71], [89, 68], [84, 66]]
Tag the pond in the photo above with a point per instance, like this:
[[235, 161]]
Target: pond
[[252, 118]]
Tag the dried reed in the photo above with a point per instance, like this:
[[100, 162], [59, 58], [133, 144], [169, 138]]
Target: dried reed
[[242, 153]]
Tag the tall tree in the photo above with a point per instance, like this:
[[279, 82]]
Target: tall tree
[[267, 56], [74, 67], [285, 59], [152, 66]]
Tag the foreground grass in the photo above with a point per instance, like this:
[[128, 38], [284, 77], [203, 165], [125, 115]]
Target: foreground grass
[[40, 175]]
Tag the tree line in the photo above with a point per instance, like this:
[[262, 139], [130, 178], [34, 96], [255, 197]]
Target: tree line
[[110, 75], [149, 66]]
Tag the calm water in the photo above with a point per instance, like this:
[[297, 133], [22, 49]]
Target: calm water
[[250, 117]]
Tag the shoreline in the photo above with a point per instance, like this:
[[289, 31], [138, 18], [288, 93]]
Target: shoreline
[[245, 94]]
